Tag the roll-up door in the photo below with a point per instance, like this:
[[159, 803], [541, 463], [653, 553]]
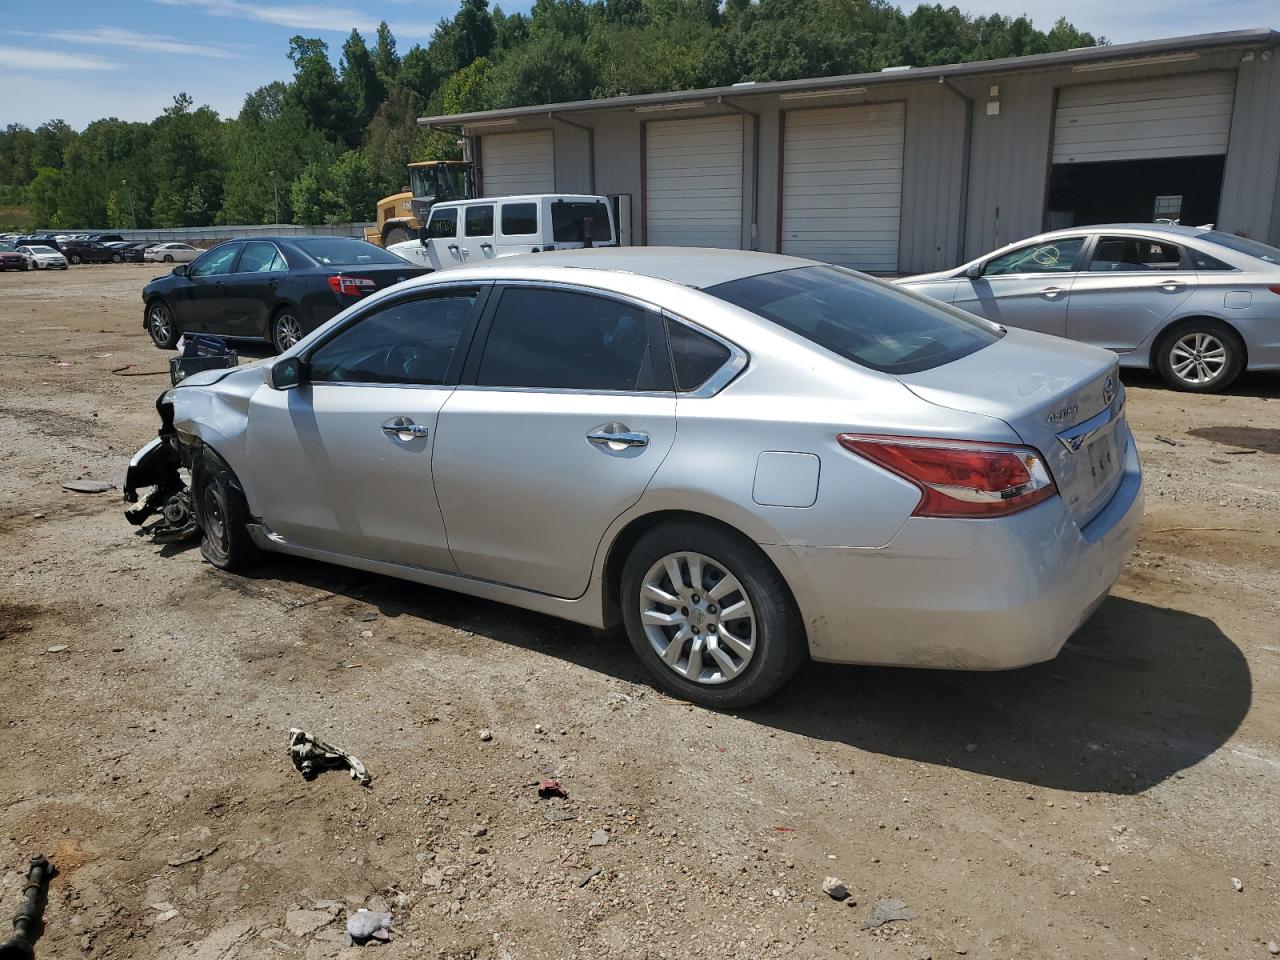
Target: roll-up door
[[842, 185], [693, 182], [1179, 116], [514, 163]]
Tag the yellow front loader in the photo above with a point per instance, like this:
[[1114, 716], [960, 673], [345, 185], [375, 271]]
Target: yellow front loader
[[401, 215]]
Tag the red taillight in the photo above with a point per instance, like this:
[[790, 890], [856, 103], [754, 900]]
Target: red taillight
[[1274, 288], [352, 286], [960, 478]]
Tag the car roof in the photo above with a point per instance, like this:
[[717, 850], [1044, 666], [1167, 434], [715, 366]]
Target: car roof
[[691, 266], [1176, 230], [525, 198]]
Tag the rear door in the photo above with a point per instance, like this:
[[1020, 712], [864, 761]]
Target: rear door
[[517, 228], [477, 233], [1028, 287], [250, 292], [563, 416], [1129, 288]]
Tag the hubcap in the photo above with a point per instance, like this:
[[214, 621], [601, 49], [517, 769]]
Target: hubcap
[[288, 331], [160, 329], [1198, 358], [698, 618]]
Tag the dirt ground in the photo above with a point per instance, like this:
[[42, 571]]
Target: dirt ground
[[1095, 806]]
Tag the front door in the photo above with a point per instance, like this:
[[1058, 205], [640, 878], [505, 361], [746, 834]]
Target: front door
[[1028, 288], [345, 459], [565, 411], [441, 245], [1130, 288], [201, 302]]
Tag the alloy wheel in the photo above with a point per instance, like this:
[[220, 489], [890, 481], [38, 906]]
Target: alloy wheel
[[161, 324], [288, 331], [1198, 358], [698, 618]]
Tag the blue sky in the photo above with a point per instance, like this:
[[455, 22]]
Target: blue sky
[[84, 59]]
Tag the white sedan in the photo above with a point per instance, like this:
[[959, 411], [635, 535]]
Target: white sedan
[[169, 252], [40, 257]]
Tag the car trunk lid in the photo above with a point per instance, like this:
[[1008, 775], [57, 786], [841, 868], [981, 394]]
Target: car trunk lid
[[1063, 398]]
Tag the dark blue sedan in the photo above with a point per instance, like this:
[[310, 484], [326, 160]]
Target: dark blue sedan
[[277, 289]]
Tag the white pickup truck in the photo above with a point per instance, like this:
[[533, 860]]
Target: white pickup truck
[[470, 231]]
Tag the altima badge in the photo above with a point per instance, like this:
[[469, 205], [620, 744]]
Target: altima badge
[[1058, 416]]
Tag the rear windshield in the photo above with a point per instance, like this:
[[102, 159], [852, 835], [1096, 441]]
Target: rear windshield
[[343, 251], [569, 222], [862, 320], [1253, 248]]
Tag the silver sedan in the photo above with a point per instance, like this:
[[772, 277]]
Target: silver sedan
[[1199, 306], [746, 460]]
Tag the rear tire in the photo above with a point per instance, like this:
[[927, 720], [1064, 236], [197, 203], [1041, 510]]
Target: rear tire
[[396, 235], [739, 660], [116, 258], [1200, 356], [162, 325], [286, 329], [222, 513], [168, 258], [74, 258]]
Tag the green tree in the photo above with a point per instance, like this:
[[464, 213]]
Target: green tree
[[44, 196], [351, 193], [187, 164], [307, 193], [361, 85], [385, 59], [318, 92]]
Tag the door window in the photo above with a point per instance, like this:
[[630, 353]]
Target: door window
[[259, 256], [564, 340], [694, 356], [1048, 256], [479, 221], [443, 224], [1134, 254], [216, 262], [412, 342], [519, 219]]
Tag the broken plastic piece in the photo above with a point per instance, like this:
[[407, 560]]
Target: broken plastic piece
[[311, 756], [551, 788]]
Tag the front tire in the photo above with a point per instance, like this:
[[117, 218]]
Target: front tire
[[162, 325], [116, 258], [286, 329], [1200, 356], [168, 258], [222, 513], [709, 616]]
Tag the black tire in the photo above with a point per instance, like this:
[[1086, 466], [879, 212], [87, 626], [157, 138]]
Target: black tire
[[168, 258], [116, 258], [222, 513], [396, 235], [1200, 355], [162, 325], [74, 258], [286, 329], [780, 645]]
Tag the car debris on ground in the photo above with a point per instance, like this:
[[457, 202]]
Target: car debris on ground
[[835, 888], [551, 788], [311, 756], [28, 922], [365, 925], [888, 910], [88, 486]]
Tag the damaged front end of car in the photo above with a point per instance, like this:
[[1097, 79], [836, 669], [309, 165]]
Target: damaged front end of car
[[160, 466]]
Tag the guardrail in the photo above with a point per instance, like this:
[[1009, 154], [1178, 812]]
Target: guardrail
[[227, 231]]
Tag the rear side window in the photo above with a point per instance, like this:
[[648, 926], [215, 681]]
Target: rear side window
[[260, 257], [479, 221], [871, 323], [694, 356], [443, 224], [519, 219], [560, 339], [1202, 261], [575, 221], [1134, 255]]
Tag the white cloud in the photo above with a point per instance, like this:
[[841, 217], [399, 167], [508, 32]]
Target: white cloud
[[133, 40], [301, 16], [24, 58]]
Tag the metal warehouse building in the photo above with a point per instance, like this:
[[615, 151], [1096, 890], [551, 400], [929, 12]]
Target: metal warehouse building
[[915, 169]]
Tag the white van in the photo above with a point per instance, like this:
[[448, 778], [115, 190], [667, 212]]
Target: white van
[[469, 231]]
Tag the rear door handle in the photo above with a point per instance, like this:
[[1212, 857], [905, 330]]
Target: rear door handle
[[616, 436], [404, 429], [1052, 293], [1173, 286]]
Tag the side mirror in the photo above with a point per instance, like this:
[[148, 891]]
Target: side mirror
[[422, 235], [288, 372], [180, 270], [973, 271]]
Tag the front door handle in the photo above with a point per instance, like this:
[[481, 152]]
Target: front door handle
[[1052, 293], [453, 248], [1173, 286], [616, 436], [404, 429], [486, 246]]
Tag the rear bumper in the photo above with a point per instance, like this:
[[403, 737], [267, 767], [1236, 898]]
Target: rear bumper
[[965, 594]]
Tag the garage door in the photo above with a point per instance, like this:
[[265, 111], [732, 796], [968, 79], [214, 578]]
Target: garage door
[[514, 163], [693, 182], [1182, 116], [842, 185]]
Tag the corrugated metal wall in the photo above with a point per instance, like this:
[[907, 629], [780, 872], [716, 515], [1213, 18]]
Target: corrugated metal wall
[[932, 180], [1251, 181]]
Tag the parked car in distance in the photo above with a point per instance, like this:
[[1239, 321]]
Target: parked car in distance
[[472, 231], [271, 288], [171, 253], [106, 237], [747, 459], [1198, 306], [89, 251], [43, 258], [132, 250], [13, 260]]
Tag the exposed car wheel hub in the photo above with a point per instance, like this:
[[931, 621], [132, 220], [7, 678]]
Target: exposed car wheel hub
[[1198, 358], [698, 618]]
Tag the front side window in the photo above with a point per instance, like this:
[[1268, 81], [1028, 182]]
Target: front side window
[[412, 342], [443, 224], [216, 262], [519, 219], [866, 321], [694, 356], [1048, 256], [1134, 254], [479, 221], [561, 339], [261, 257]]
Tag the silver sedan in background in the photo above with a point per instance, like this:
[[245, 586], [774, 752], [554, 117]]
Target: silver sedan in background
[[743, 458], [1199, 306]]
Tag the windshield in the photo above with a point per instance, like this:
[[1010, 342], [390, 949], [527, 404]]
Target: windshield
[[443, 182], [578, 221], [1252, 248], [344, 251], [863, 320]]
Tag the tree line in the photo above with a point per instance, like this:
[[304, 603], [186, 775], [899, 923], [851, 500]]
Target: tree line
[[326, 144]]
